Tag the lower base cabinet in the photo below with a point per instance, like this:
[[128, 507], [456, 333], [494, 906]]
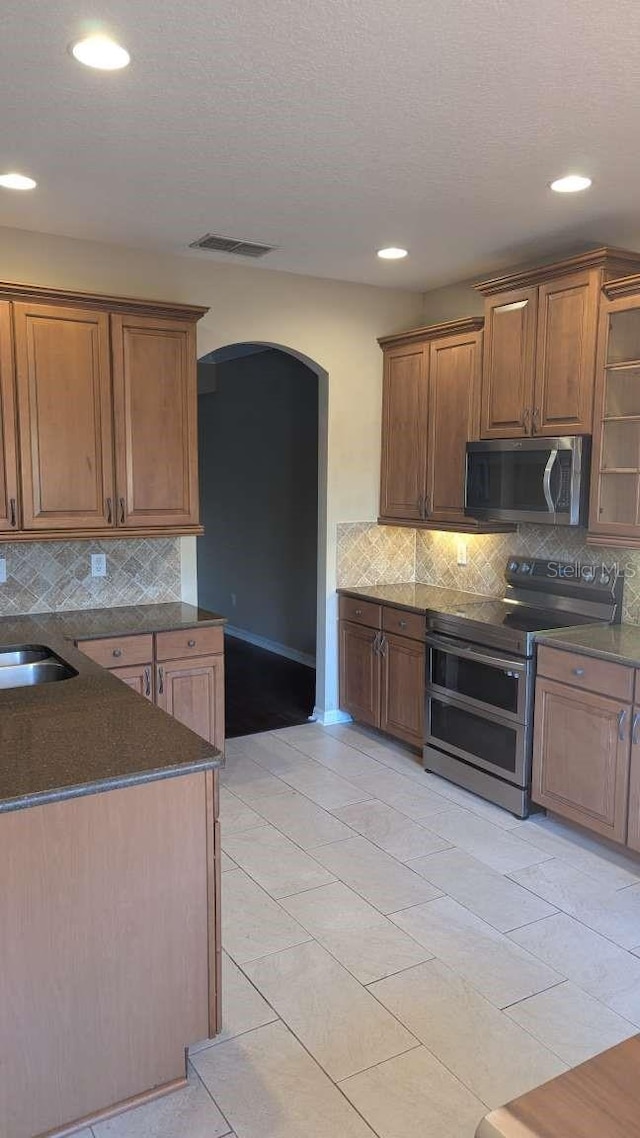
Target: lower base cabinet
[[382, 673], [586, 757], [182, 672]]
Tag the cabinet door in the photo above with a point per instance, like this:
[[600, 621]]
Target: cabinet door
[[633, 833], [8, 449], [454, 379], [65, 417], [565, 355], [193, 692], [402, 695], [137, 677], [404, 433], [155, 401], [581, 757], [359, 673], [508, 364]]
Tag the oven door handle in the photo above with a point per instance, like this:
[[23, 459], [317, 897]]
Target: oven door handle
[[455, 648], [546, 481]]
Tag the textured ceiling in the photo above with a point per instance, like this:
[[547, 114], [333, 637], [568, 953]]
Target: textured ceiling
[[329, 128]]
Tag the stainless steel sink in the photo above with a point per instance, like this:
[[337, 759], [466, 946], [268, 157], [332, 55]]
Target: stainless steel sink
[[32, 664]]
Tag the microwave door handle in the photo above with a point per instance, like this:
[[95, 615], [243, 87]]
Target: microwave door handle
[[546, 481]]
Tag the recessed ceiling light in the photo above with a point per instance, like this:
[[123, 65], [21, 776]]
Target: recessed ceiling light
[[101, 52], [392, 253], [571, 184], [17, 182]]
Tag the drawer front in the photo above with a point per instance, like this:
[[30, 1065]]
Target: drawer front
[[410, 624], [586, 672], [361, 612], [119, 651], [189, 642]]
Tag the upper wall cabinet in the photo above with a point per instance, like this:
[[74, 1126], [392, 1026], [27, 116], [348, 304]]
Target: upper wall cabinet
[[614, 517], [155, 401], [106, 415], [8, 450], [540, 343], [431, 385]]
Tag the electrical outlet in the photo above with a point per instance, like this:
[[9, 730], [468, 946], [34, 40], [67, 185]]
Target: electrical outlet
[[3, 570], [461, 553], [233, 599], [98, 564]]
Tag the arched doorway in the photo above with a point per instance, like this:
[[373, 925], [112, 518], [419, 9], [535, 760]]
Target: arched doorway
[[262, 561]]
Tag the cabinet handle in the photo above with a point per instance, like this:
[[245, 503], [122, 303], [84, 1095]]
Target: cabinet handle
[[578, 671], [634, 729], [109, 512], [622, 715], [524, 421], [402, 624], [375, 646], [12, 512], [358, 612], [117, 652], [191, 643], [535, 422], [421, 506], [160, 680], [384, 645], [147, 681], [122, 511]]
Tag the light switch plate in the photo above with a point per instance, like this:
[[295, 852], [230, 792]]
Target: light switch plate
[[3, 570], [98, 564]]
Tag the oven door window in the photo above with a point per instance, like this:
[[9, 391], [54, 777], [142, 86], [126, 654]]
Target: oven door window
[[495, 687], [472, 736]]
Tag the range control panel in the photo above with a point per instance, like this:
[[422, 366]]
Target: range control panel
[[540, 573]]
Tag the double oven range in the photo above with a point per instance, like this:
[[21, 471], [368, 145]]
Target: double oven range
[[481, 671]]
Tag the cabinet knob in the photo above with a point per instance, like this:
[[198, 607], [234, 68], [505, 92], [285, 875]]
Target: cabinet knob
[[402, 624], [191, 643], [117, 652], [578, 671]]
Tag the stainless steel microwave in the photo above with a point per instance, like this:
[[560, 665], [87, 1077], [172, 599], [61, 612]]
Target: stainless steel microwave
[[529, 480]]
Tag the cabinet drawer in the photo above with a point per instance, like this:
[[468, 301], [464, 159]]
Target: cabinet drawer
[[411, 624], [586, 672], [119, 651], [189, 642], [361, 612]]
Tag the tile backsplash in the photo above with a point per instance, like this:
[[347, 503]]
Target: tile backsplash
[[49, 576], [367, 555]]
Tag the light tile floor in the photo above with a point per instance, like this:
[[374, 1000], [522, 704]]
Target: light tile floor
[[400, 955]]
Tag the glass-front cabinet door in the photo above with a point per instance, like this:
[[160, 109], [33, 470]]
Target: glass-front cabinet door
[[615, 476]]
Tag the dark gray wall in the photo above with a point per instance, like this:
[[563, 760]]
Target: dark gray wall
[[259, 496]]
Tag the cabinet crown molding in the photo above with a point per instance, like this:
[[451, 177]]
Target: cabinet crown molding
[[614, 262], [124, 304], [433, 332], [623, 286]]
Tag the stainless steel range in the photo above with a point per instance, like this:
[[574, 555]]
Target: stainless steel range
[[481, 670]]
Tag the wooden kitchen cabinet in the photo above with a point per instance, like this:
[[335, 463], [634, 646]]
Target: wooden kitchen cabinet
[[430, 408], [155, 404], [404, 433], [63, 377], [540, 345], [98, 425], [9, 504], [360, 673], [382, 673], [582, 740], [402, 688], [633, 829], [138, 677], [192, 691]]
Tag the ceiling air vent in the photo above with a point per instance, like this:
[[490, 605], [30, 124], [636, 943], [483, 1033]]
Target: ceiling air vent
[[216, 244]]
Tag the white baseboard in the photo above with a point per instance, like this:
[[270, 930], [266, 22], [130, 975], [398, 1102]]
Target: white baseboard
[[330, 718], [271, 645]]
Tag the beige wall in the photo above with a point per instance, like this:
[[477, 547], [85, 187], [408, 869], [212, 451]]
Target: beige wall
[[333, 323]]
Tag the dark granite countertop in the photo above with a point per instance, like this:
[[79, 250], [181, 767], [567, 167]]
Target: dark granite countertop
[[617, 642], [415, 597], [91, 732]]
